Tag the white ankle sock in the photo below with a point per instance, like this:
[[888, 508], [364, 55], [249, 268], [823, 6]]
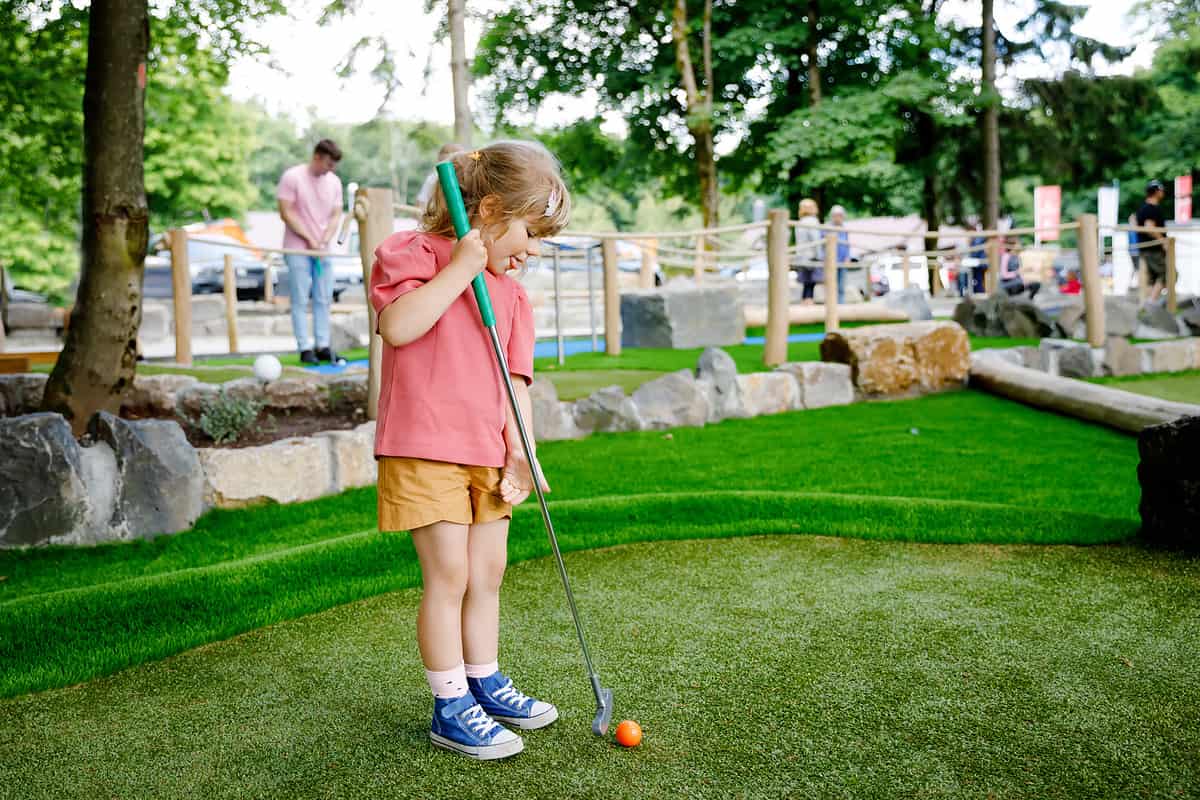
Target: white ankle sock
[[448, 684], [482, 670]]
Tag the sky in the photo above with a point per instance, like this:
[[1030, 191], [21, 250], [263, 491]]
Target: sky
[[302, 79]]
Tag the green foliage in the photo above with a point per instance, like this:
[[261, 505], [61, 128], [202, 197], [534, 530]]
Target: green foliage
[[224, 418]]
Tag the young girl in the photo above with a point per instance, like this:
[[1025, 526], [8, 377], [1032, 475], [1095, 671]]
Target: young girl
[[451, 465]]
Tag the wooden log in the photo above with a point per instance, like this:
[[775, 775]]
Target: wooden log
[[181, 285], [776, 312], [229, 288], [612, 298], [757, 316], [373, 210], [1093, 289], [1118, 409], [831, 281]]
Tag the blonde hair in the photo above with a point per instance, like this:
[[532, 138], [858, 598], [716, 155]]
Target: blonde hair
[[808, 208], [525, 178]]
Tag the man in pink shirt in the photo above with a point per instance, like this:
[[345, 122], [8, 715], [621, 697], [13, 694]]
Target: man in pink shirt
[[310, 202]]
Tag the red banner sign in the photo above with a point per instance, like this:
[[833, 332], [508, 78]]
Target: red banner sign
[[1183, 198], [1047, 211]]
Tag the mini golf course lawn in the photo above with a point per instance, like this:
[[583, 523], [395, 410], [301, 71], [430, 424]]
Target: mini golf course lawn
[[1182, 387], [761, 667], [947, 650]]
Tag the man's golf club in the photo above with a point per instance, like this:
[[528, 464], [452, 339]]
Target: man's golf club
[[462, 226]]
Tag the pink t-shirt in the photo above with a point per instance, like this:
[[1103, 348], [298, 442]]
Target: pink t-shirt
[[441, 397], [315, 200]]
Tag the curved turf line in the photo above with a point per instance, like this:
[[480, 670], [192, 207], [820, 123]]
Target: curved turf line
[[64, 637]]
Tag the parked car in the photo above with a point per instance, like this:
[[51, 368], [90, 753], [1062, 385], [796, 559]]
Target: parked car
[[206, 262], [347, 273]]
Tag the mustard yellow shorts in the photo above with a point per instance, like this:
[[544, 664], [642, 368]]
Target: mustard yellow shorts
[[414, 493]]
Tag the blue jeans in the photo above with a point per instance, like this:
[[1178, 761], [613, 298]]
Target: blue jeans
[[305, 282]]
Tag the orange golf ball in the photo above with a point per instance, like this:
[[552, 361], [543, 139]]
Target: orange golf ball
[[629, 734]]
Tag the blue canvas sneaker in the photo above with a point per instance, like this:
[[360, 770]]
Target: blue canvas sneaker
[[463, 726], [503, 702]]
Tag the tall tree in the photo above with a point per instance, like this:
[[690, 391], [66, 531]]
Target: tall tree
[[698, 102], [459, 73], [991, 122], [99, 356]]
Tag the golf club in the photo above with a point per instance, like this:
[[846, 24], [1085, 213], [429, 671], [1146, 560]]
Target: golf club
[[458, 215]]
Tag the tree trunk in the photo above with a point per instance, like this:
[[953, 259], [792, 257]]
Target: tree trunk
[[99, 356], [814, 39], [458, 73], [991, 123], [699, 107]]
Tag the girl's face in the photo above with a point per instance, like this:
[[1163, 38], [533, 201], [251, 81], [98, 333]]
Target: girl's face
[[509, 245]]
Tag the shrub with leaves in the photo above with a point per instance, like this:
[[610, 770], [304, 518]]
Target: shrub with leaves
[[224, 419]]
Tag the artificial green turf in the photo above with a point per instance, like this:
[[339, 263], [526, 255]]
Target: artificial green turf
[[1182, 387], [574, 384], [763, 667], [953, 468]]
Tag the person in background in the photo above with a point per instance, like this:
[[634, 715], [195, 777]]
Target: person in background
[[426, 192], [1010, 272], [810, 252], [837, 217], [310, 202], [1071, 285], [979, 253], [1152, 245]]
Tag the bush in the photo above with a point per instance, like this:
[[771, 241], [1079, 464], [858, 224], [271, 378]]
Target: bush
[[224, 418]]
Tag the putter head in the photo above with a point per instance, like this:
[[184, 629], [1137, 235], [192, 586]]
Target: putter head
[[603, 713]]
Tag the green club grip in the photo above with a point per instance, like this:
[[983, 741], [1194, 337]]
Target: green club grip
[[462, 226]]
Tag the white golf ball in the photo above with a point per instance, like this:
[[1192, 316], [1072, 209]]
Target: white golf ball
[[267, 368]]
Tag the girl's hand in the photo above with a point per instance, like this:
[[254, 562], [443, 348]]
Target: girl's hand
[[517, 482], [470, 254]]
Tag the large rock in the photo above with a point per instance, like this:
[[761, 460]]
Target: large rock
[[682, 318], [292, 394], [156, 322], [1169, 474], [22, 392], [155, 395], [607, 410], [1120, 316], [1158, 318], [287, 471], [821, 384], [716, 373], [1173, 356], [352, 456], [1189, 315], [769, 393], [911, 301], [1121, 358], [674, 400], [347, 392], [190, 400], [43, 493], [21, 315], [902, 360], [1023, 319], [159, 486], [1067, 358], [552, 418]]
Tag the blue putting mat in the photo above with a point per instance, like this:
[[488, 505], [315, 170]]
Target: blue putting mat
[[549, 349]]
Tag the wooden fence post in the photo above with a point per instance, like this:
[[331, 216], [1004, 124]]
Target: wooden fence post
[[269, 283], [698, 263], [181, 285], [992, 248], [1143, 278], [778, 290], [1093, 289], [229, 287], [649, 263], [373, 210], [612, 298], [905, 267], [1169, 244], [831, 282]]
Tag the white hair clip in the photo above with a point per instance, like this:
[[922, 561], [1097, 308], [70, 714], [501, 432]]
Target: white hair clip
[[552, 203]]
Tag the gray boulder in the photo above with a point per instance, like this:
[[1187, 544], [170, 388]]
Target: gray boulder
[[21, 393], [1120, 316], [159, 486], [1189, 315], [911, 301], [682, 317], [552, 418], [607, 410], [43, 483], [155, 395], [716, 374], [1159, 318], [1067, 358], [671, 401], [289, 394]]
